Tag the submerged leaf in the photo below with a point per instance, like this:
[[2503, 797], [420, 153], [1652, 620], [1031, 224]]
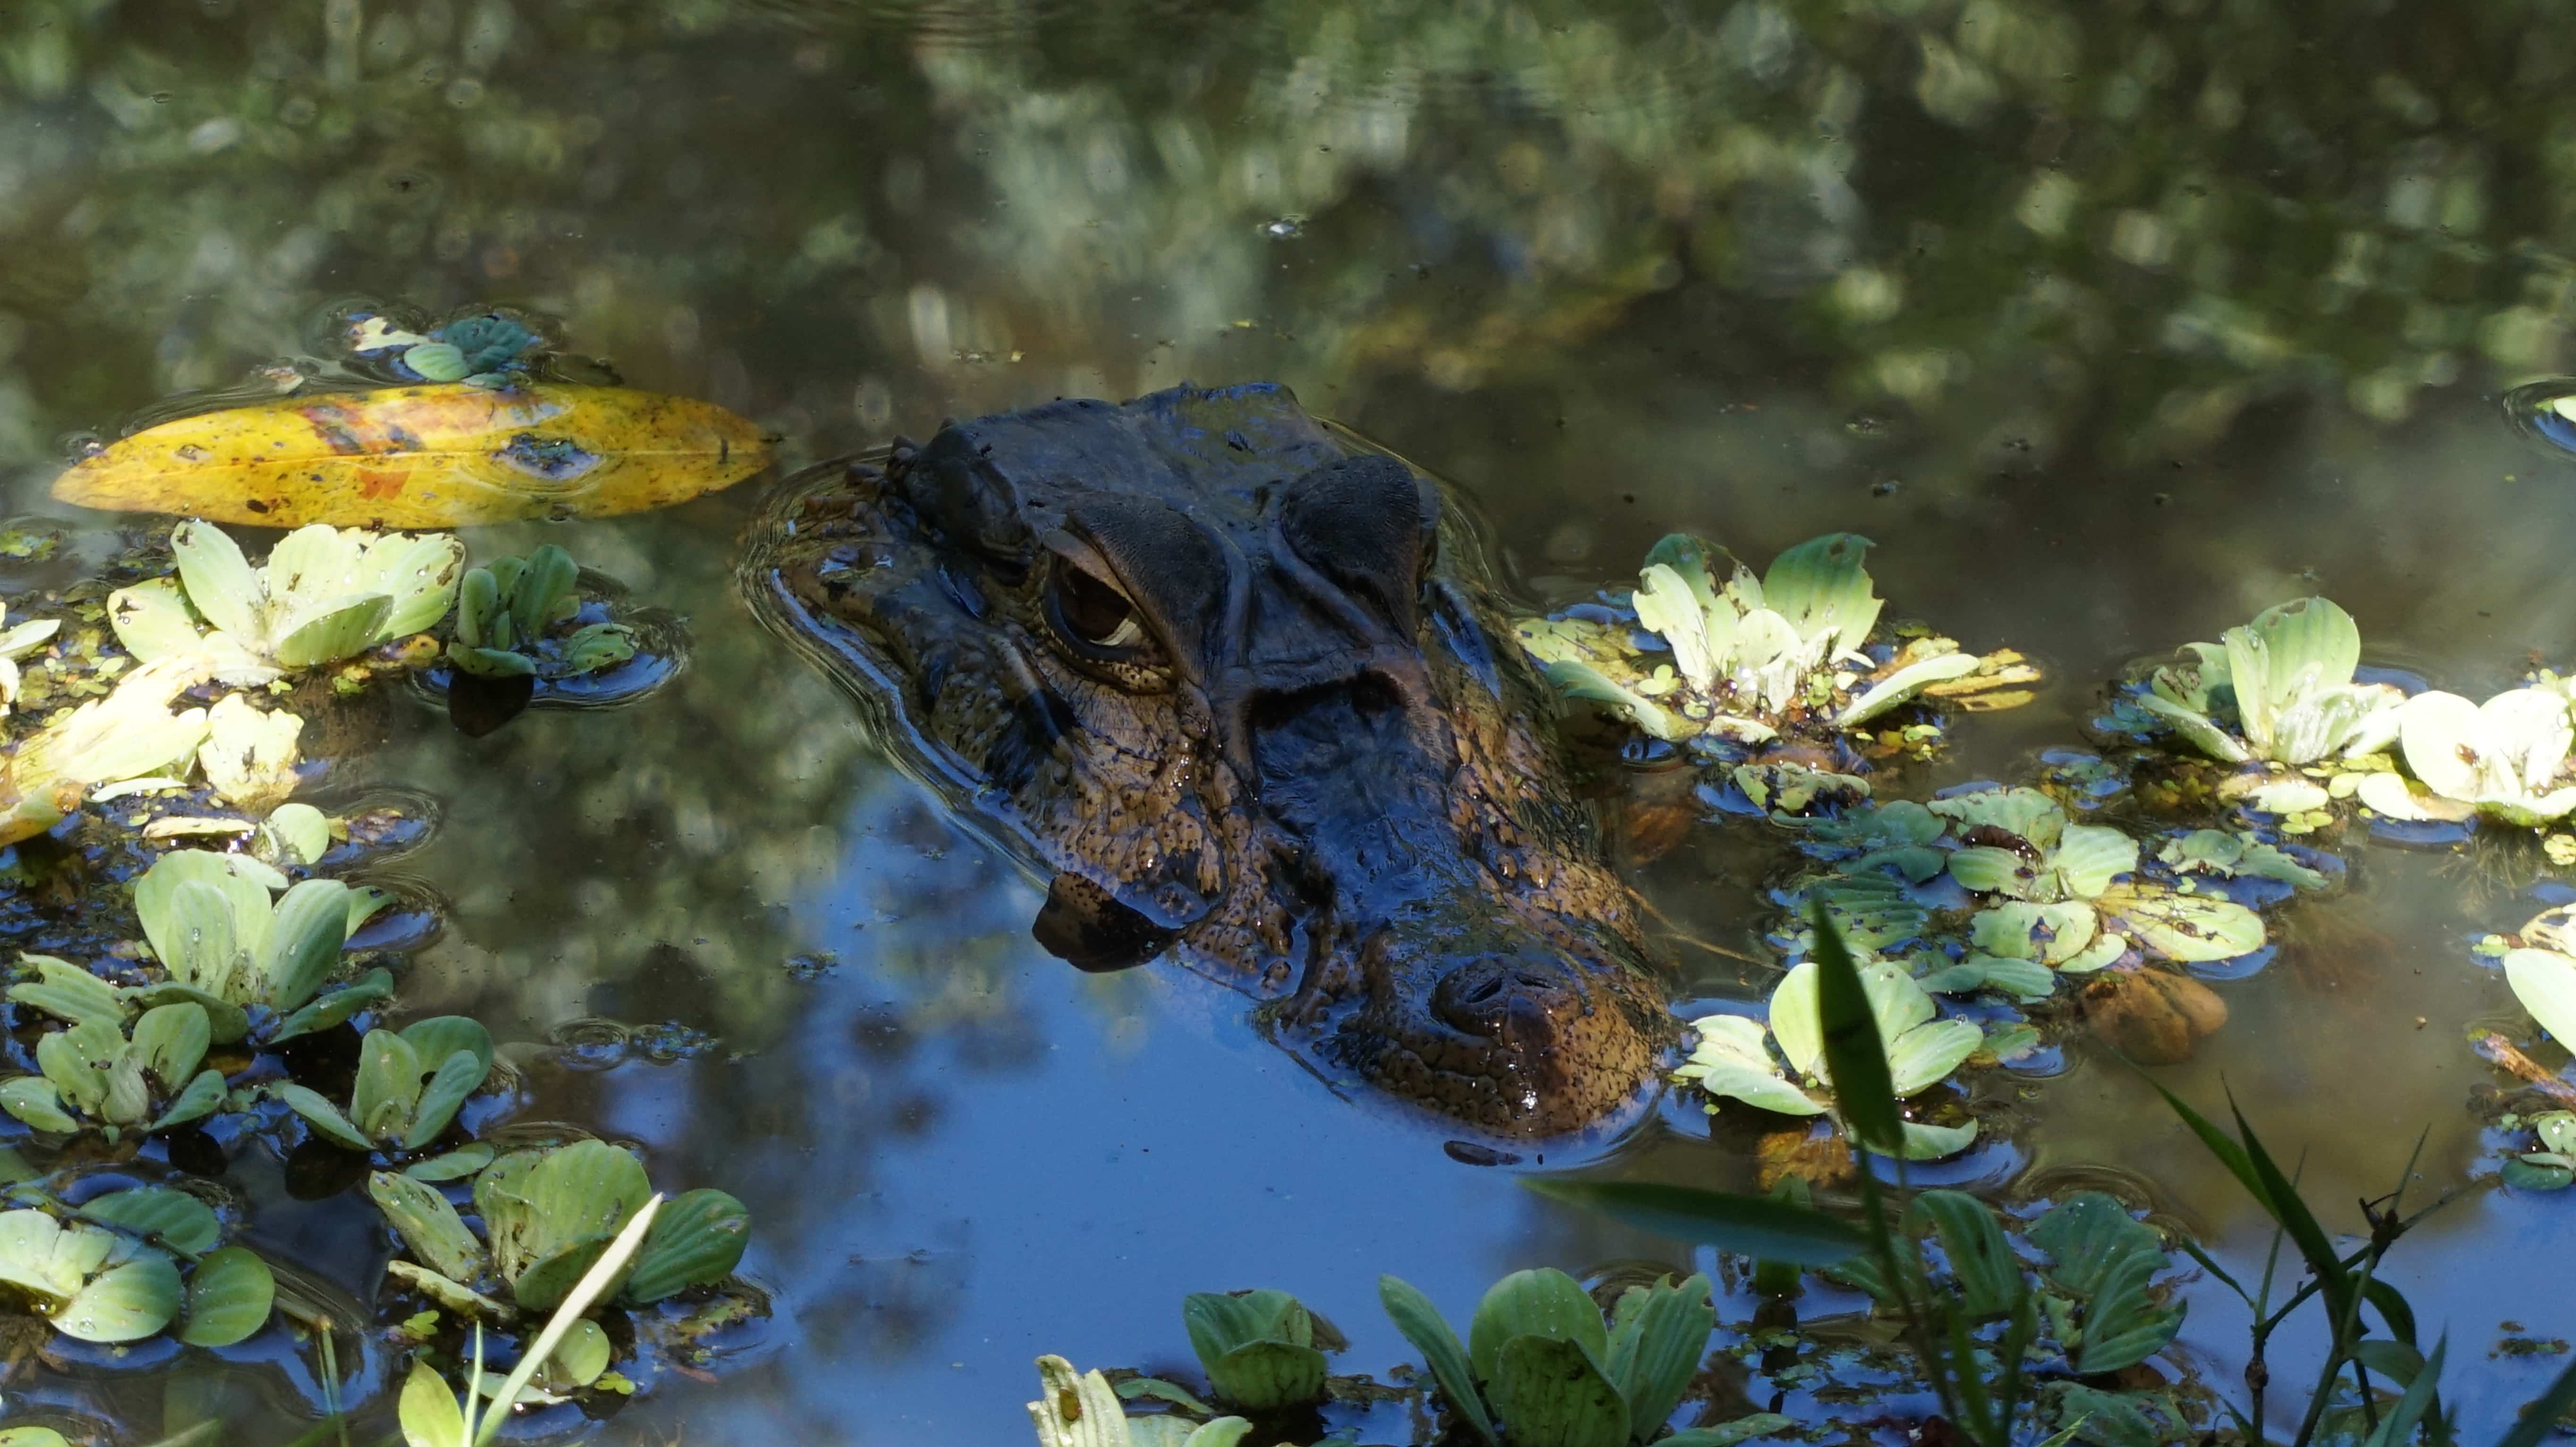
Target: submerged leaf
[[424, 457]]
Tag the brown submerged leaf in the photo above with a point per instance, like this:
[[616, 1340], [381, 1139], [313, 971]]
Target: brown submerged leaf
[[441, 456]]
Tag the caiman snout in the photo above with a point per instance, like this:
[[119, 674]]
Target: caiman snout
[[1515, 1038], [1514, 1002]]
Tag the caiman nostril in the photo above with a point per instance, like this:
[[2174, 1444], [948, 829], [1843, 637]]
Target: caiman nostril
[[1513, 1002]]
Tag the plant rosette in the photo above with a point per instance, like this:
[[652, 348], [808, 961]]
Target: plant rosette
[[115, 1068], [323, 596], [522, 617], [1684, 657], [1540, 1368], [539, 631], [2095, 1292], [2073, 897], [132, 1264], [409, 1086], [2505, 760], [1780, 1066], [256, 965], [547, 1215], [2279, 690]]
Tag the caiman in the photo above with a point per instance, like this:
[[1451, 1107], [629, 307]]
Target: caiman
[[1235, 683]]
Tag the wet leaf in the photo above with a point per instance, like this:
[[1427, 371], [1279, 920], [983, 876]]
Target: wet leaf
[[1544, 1302], [580, 1357], [1988, 1273], [310, 924], [162, 1213], [2184, 927], [1266, 1375], [201, 1097], [229, 1296], [388, 1085], [430, 1414], [1727, 1434], [2545, 982], [1657, 1337], [428, 1224], [302, 829], [123, 1303], [33, 1099], [698, 1238], [1548, 1389], [172, 1039], [453, 1165], [1920, 1142], [434, 456], [336, 1006], [1420, 1323], [322, 1115], [66, 991]]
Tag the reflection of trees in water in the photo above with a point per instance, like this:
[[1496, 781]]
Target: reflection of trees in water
[[1991, 203]]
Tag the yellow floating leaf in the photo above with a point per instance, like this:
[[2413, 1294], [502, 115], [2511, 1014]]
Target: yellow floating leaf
[[438, 456]]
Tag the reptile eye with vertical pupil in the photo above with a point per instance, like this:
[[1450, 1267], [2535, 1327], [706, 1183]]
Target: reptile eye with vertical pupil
[[1090, 613]]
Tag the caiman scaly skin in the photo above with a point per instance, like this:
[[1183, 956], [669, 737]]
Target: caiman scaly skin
[[1232, 680]]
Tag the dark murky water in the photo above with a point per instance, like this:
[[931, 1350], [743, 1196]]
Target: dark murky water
[[2111, 323]]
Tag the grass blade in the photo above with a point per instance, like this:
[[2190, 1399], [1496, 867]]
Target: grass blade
[[1856, 1059], [1763, 1227]]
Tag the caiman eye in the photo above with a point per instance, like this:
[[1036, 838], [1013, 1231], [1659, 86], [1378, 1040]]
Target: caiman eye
[[1090, 612]]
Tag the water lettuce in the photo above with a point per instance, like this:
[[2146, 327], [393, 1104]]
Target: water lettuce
[[2278, 689], [325, 594]]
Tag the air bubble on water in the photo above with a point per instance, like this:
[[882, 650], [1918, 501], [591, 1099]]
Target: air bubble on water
[[1284, 228], [2545, 411], [77, 445]]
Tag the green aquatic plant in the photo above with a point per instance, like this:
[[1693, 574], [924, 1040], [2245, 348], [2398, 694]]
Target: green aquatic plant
[[131, 1264], [511, 616], [1748, 659], [2505, 759], [2279, 690], [409, 1086], [16, 643], [131, 733], [1257, 1347], [569, 1345], [325, 594], [547, 1214], [483, 349], [1540, 1368], [116, 1068], [1783, 1067], [2233, 854], [2070, 896], [250, 753], [1081, 1409], [231, 949]]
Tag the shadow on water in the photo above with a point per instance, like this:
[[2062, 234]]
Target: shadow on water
[[2111, 324]]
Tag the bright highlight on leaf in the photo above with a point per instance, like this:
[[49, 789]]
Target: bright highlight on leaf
[[436, 456]]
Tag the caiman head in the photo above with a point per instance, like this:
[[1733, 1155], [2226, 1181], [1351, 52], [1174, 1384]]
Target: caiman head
[[1226, 676]]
